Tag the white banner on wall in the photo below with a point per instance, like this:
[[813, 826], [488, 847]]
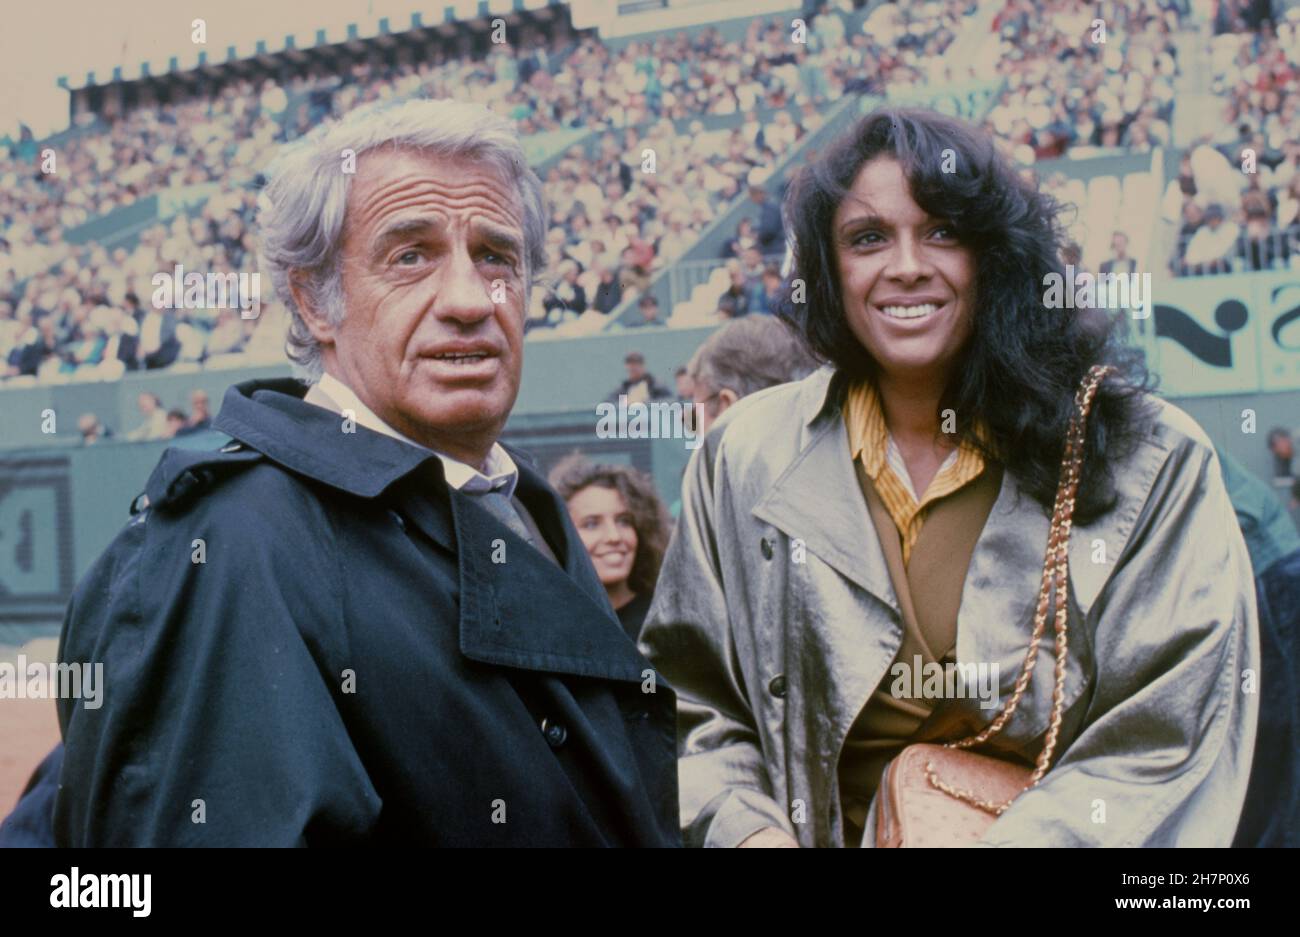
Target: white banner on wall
[[1224, 334]]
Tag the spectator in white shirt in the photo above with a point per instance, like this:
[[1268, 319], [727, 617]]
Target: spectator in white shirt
[[829, 27], [155, 419], [1213, 243]]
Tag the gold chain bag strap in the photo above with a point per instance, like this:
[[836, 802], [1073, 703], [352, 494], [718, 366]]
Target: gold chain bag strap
[[943, 795]]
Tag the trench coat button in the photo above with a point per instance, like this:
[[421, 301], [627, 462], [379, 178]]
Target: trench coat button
[[777, 686], [401, 522], [555, 733], [766, 546]]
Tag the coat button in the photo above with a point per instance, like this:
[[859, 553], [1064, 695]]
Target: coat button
[[555, 733], [777, 686], [766, 546]]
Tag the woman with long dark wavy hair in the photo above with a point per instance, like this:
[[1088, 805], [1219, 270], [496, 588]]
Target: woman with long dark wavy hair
[[624, 526], [881, 559]]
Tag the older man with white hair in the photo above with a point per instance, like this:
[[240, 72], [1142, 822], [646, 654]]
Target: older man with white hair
[[365, 620]]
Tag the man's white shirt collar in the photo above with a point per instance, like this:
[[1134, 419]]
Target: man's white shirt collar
[[502, 473]]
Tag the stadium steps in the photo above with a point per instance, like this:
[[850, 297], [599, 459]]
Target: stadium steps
[[1198, 111]]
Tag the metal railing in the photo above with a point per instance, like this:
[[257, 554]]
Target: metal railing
[[686, 275], [1277, 250]]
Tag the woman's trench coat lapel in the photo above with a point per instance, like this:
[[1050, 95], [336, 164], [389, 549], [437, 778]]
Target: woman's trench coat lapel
[[822, 624]]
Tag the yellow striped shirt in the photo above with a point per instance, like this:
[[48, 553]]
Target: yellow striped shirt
[[869, 441]]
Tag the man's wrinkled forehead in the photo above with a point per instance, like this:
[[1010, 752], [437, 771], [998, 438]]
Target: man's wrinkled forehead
[[403, 182]]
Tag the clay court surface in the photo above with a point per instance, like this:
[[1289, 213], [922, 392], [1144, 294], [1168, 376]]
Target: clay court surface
[[29, 728]]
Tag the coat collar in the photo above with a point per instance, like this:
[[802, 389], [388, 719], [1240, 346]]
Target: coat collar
[[519, 613], [271, 417], [822, 394], [817, 500], [523, 612]]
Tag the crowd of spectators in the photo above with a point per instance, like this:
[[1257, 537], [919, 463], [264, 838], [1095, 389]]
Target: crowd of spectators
[[1235, 203], [71, 311], [614, 225], [568, 80], [85, 311], [754, 286], [544, 80], [222, 140], [1067, 91], [82, 311], [92, 316], [157, 422], [902, 45]]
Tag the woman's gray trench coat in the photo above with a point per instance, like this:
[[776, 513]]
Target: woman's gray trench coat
[[775, 620]]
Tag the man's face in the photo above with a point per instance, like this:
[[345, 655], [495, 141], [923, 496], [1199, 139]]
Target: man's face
[[907, 284], [635, 370], [1282, 446], [434, 292], [1119, 244]]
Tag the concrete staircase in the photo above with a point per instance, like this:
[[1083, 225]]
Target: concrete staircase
[[1197, 111]]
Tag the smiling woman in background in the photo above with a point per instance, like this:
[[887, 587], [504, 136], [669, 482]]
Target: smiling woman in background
[[624, 526]]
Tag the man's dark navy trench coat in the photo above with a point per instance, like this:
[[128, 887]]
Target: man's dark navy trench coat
[[349, 665]]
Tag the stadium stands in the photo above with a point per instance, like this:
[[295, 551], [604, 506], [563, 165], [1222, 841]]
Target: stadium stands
[[1082, 85], [672, 172], [1234, 205], [76, 249]]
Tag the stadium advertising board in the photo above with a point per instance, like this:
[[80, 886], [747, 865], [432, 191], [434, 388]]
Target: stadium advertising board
[[1225, 334]]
